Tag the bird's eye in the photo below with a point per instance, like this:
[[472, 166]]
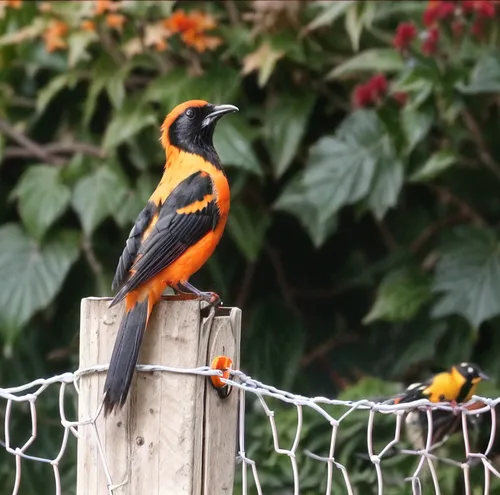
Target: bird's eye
[[189, 113]]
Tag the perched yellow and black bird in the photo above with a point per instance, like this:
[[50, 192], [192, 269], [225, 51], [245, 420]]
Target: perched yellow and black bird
[[456, 385]]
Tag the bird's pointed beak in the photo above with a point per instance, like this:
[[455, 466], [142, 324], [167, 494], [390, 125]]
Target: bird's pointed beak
[[483, 376], [217, 112]]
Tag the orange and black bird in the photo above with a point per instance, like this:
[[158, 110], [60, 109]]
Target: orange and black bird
[[456, 385], [173, 236]]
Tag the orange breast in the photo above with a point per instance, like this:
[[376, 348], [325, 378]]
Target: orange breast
[[179, 166]]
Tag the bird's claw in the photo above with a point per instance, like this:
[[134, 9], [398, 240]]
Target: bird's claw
[[212, 299]]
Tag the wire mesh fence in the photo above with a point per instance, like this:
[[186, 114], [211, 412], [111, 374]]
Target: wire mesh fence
[[429, 427]]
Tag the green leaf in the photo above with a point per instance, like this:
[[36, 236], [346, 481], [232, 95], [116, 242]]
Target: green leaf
[[78, 42], [377, 59], [32, 274], [485, 76], [97, 196], [340, 171], [297, 202], [406, 9], [128, 121], [400, 296], [105, 75], [468, 276], [247, 227], [416, 123], [43, 198], [115, 86], [331, 12], [386, 185], [438, 162], [134, 201], [219, 85], [55, 86], [263, 60], [358, 16], [285, 125], [233, 142], [169, 87]]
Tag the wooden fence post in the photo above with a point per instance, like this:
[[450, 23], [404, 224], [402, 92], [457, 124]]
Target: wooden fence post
[[174, 436]]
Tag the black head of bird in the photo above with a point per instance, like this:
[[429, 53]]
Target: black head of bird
[[471, 372]]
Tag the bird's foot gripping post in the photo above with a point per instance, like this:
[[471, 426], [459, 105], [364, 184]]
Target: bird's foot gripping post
[[174, 435], [211, 298]]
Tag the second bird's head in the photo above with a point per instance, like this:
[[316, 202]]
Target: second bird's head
[[471, 372], [190, 126]]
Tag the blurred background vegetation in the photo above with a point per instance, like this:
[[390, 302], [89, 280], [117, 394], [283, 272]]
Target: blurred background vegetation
[[363, 240]]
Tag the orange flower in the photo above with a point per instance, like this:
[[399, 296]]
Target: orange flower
[[203, 21], [15, 4], [192, 27], [179, 22], [115, 21], [103, 6], [88, 25], [199, 41], [54, 36]]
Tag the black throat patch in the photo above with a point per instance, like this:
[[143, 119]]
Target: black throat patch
[[189, 135]]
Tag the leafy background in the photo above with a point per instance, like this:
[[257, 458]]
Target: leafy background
[[362, 243]]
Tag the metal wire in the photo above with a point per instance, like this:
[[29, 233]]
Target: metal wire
[[245, 386]]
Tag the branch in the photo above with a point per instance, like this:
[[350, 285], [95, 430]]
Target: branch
[[386, 234], [246, 284], [334, 376], [445, 196], [34, 148], [71, 148], [55, 148], [94, 263], [326, 347], [477, 137], [427, 234], [111, 47], [281, 279], [232, 12]]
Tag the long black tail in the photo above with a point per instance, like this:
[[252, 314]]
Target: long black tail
[[124, 357]]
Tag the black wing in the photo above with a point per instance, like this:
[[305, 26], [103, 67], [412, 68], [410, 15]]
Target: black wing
[[173, 232], [133, 244]]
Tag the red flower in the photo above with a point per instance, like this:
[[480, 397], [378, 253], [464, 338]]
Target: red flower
[[477, 28], [405, 34], [446, 9], [430, 16], [362, 96], [437, 11], [370, 92], [400, 97], [468, 6], [429, 46], [485, 9], [378, 85]]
